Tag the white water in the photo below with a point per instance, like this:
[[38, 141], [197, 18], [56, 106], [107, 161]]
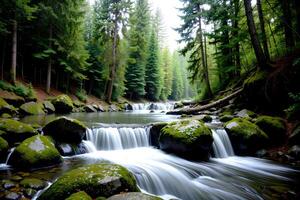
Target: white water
[[152, 106], [168, 176]]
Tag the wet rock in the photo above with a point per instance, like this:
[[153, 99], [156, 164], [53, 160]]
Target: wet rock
[[262, 153], [37, 151], [63, 104], [12, 99], [33, 183], [49, 107], [71, 149], [226, 118], [89, 109], [294, 151], [29, 193], [152, 111], [3, 149], [15, 131], [5, 108], [96, 180], [246, 114], [79, 196], [8, 184], [65, 129], [155, 133], [128, 106], [133, 196], [12, 196], [113, 108], [274, 127], [188, 138], [246, 137], [178, 105], [205, 118], [32, 108]]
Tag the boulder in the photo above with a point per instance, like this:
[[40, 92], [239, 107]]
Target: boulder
[[79, 196], [71, 149], [226, 118], [66, 130], [295, 136], [33, 183], [96, 180], [15, 131], [6, 108], [178, 105], [12, 99], [3, 149], [155, 132], [205, 118], [89, 109], [32, 108], [246, 114], [37, 151], [128, 106], [274, 127], [49, 107], [246, 137], [133, 196], [63, 104], [188, 138], [113, 108]]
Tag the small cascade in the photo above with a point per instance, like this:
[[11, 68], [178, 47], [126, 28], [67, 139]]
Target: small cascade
[[222, 146], [150, 106], [9, 154], [118, 138]]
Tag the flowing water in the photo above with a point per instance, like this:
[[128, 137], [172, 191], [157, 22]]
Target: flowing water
[[225, 176], [150, 106]]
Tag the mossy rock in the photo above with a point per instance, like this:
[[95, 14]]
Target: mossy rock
[[89, 109], [246, 137], [63, 104], [3, 149], [226, 118], [6, 116], [67, 130], [79, 196], [49, 107], [188, 138], [155, 133], [96, 180], [178, 105], [294, 138], [274, 127], [15, 131], [32, 108], [5, 108], [33, 183], [246, 114], [134, 196], [12, 99], [205, 118], [34, 152]]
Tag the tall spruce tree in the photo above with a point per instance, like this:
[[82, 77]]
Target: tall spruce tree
[[138, 44]]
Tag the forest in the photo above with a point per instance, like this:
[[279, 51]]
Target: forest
[[149, 99]]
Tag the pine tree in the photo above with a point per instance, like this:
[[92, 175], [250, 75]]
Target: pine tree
[[167, 74], [138, 44], [152, 69]]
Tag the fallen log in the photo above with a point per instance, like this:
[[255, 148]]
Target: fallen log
[[195, 110]]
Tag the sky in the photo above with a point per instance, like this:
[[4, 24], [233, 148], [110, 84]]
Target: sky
[[170, 17]]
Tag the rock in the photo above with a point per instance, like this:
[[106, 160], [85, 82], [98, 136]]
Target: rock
[[63, 104], [113, 108], [15, 131], [188, 138], [246, 114], [178, 105], [246, 137], [49, 107], [37, 151], [294, 151], [133, 196], [5, 108], [33, 183], [96, 180], [32, 108], [66, 130], [128, 106], [79, 196], [295, 136], [29, 192], [71, 149], [101, 108], [89, 109], [226, 118], [3, 149], [16, 178], [262, 153], [205, 118], [12, 99], [274, 127], [8, 184], [155, 132], [12, 196], [6, 116]]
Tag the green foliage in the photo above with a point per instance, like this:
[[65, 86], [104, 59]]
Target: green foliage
[[81, 95], [6, 86], [20, 89], [293, 111]]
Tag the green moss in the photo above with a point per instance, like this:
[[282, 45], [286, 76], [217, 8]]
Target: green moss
[[239, 126], [226, 118], [3, 103], [49, 107], [79, 196], [3, 146], [63, 104], [32, 108], [6, 108], [257, 76], [33, 183], [5, 115], [16, 131], [187, 131], [36, 151], [96, 180], [134, 196]]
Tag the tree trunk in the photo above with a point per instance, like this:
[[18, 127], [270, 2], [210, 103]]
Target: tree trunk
[[205, 67], [14, 52], [235, 34], [287, 24], [49, 68], [114, 64], [262, 29], [261, 59]]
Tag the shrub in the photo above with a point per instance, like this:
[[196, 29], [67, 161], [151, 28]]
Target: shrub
[[81, 95]]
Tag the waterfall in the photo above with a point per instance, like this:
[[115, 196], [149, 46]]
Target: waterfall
[[150, 106], [222, 146], [118, 138]]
